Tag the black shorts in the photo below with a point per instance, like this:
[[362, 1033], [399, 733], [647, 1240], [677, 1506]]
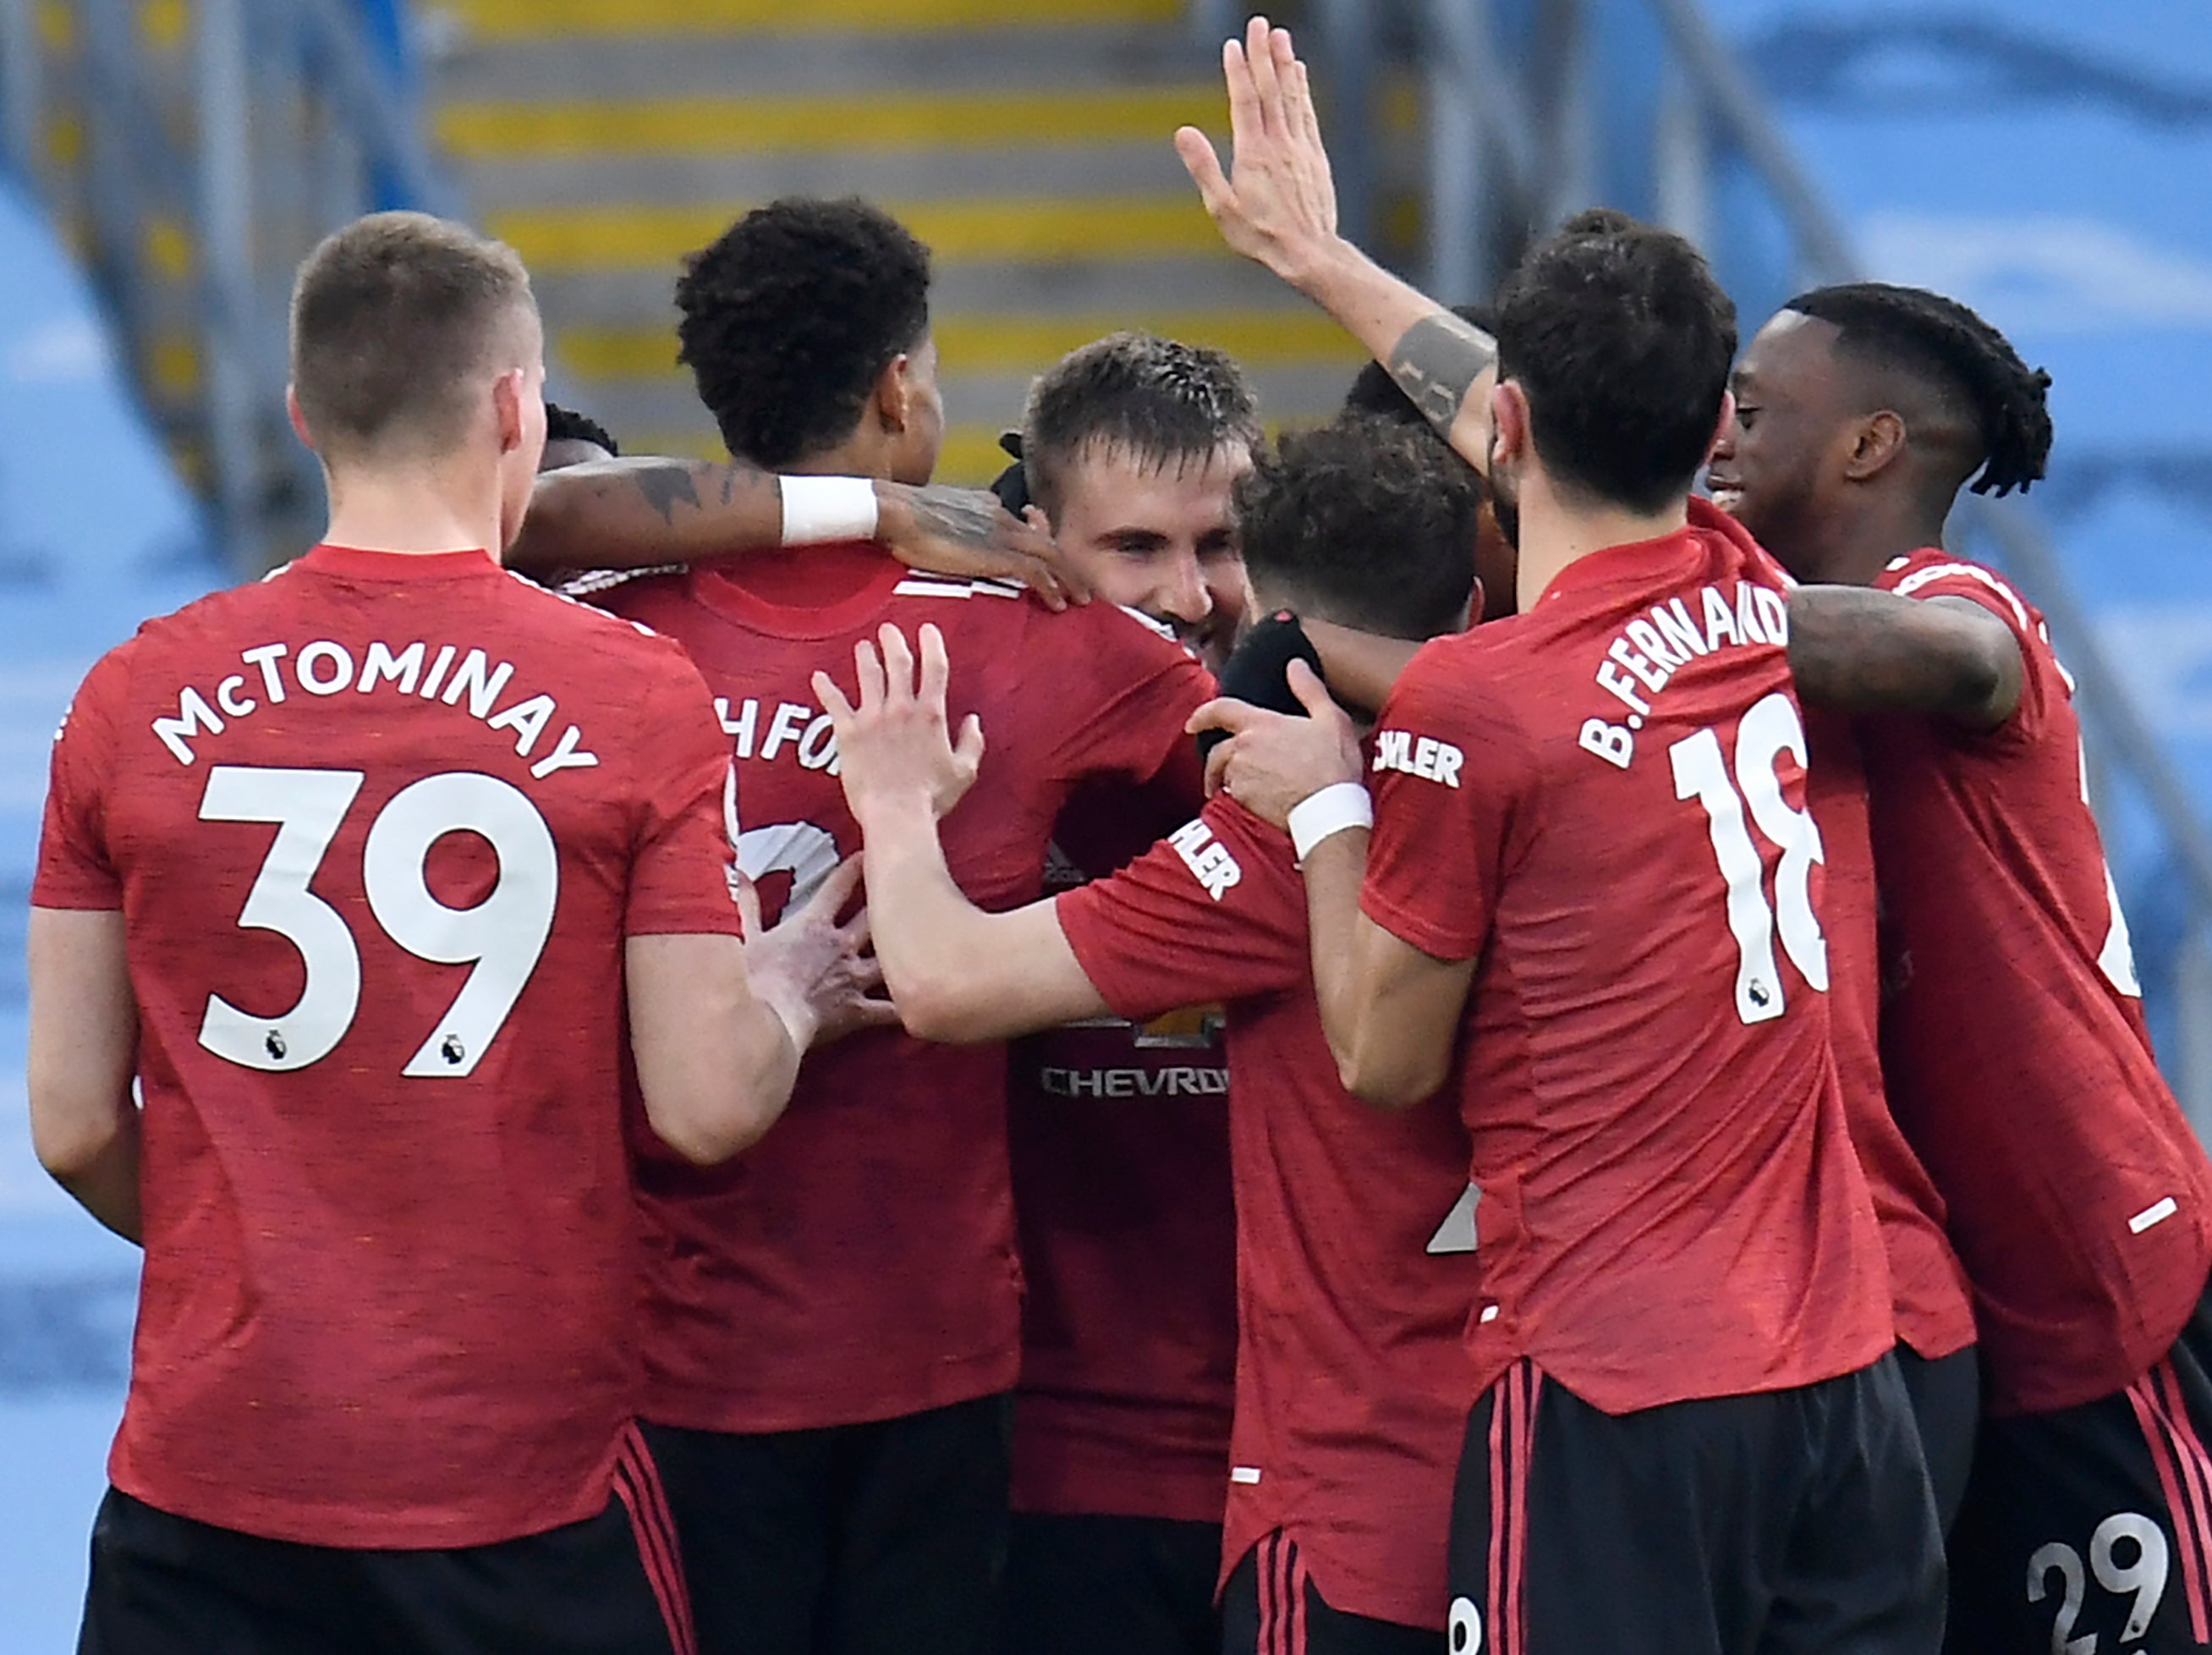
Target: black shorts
[[1947, 1407], [1272, 1607], [163, 1584], [887, 1538], [1790, 1522], [1110, 1586], [2095, 1522]]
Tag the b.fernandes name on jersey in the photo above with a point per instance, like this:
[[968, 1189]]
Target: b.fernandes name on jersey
[[1648, 653]]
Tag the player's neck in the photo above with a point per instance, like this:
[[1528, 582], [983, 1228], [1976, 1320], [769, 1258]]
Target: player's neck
[[1859, 550], [857, 456], [415, 512], [1559, 530]]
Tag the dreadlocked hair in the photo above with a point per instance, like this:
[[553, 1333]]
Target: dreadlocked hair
[[1944, 344]]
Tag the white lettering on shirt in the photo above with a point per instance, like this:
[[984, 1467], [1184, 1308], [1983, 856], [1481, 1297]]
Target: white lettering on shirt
[[1206, 857], [795, 731], [1640, 662], [1411, 753], [323, 669]]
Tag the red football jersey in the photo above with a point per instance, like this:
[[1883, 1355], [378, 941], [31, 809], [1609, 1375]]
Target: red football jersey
[[1118, 1134], [1355, 1230], [1603, 799], [1928, 1287], [2013, 1035], [378, 826], [858, 1263]]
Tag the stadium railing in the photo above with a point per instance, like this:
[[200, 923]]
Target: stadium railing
[[294, 115], [1533, 108]]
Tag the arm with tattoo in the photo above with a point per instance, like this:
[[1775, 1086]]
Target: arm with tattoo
[[1278, 207], [1859, 650], [647, 512]]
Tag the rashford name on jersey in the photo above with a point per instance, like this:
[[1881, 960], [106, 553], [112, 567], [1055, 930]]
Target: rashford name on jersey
[[323, 669]]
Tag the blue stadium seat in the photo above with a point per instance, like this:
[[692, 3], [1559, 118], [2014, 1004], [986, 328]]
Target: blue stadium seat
[[96, 533]]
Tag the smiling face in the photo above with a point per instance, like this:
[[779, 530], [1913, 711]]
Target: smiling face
[[1779, 463], [1160, 538]]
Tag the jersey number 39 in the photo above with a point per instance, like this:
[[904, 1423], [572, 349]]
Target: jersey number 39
[[502, 936]]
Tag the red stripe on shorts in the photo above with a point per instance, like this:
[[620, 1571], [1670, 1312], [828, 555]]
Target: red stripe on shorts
[[2151, 1418], [637, 1485], [1501, 1413], [2196, 1480]]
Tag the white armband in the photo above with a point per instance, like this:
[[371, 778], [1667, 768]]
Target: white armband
[[1321, 815], [818, 509]]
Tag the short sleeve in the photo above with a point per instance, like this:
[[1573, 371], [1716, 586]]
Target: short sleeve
[[2044, 686], [680, 863], [1214, 911], [1121, 693], [1450, 767], [77, 864]]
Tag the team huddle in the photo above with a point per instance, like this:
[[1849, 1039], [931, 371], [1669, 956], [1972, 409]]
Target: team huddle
[[1412, 1037]]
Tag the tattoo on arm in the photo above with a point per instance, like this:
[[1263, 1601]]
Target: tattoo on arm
[[1436, 361], [963, 517], [666, 485]]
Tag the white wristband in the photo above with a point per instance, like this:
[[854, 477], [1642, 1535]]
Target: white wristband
[[1319, 816], [817, 509]]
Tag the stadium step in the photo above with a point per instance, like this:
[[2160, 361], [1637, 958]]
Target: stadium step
[[1026, 141]]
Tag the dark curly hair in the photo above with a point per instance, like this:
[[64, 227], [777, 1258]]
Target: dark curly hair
[[790, 316], [566, 425], [1365, 521], [1622, 342], [1956, 355], [1164, 401], [1374, 391]]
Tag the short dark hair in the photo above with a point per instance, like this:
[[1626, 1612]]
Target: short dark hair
[[1622, 342], [1954, 352], [1164, 401], [1365, 521], [790, 316], [566, 425], [392, 318]]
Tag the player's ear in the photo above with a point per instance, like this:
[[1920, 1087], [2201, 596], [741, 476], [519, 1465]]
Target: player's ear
[[893, 396], [298, 416], [1876, 443], [507, 392], [1508, 422]]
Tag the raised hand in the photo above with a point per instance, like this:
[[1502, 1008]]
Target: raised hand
[[1274, 760], [893, 742], [819, 976], [966, 532], [1277, 204]]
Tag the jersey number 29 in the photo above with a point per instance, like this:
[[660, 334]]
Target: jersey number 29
[[502, 936], [1767, 731]]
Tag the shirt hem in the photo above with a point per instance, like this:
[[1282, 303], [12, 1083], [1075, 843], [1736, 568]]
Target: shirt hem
[[721, 1411]]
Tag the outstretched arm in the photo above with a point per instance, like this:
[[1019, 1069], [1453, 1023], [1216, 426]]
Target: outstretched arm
[[1278, 207], [955, 972], [644, 512], [1859, 650]]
